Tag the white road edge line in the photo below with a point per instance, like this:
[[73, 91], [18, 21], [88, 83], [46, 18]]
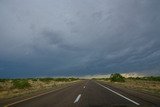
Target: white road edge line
[[118, 94], [77, 99], [32, 97]]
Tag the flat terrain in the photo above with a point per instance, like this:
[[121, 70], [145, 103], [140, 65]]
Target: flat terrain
[[12, 88], [145, 86], [87, 93]]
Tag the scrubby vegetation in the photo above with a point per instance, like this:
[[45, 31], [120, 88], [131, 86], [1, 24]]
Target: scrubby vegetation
[[106, 79], [139, 84], [58, 79], [149, 84], [17, 81], [117, 78], [150, 78], [21, 83], [15, 87], [3, 80]]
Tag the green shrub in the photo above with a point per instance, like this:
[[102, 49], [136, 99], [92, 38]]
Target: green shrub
[[51, 79], [21, 83], [58, 79], [151, 78], [3, 80], [34, 79], [46, 79], [117, 78], [62, 79]]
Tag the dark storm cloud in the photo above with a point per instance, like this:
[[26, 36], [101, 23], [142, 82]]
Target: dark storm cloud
[[40, 38], [52, 37]]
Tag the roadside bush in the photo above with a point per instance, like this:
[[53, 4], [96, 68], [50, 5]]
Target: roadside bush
[[151, 78], [58, 79], [105, 79], [62, 79], [117, 78], [46, 79], [34, 79], [21, 83], [3, 80]]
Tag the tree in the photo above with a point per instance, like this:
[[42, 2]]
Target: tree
[[117, 78]]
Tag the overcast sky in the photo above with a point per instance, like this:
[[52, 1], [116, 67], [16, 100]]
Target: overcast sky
[[78, 37]]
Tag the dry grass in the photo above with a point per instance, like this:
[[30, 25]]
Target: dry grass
[[8, 91], [152, 87]]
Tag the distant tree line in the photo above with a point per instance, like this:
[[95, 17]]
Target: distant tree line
[[116, 77], [150, 78], [57, 79]]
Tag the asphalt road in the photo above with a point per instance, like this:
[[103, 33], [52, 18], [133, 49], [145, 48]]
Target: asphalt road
[[89, 93]]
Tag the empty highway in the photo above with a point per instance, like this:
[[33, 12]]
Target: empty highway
[[87, 93]]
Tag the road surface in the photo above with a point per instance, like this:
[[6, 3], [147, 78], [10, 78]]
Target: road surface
[[88, 93]]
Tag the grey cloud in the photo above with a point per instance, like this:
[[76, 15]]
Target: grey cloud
[[52, 37], [79, 37], [57, 38]]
